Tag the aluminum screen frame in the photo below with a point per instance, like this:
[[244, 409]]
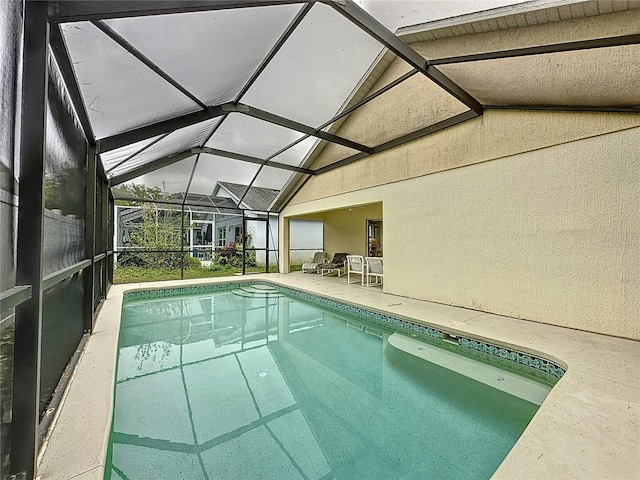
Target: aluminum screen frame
[[315, 38]]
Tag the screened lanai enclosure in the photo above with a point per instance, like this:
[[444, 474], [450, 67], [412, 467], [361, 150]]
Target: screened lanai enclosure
[[187, 114]]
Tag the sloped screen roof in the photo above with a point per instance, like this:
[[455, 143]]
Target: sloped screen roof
[[185, 94]]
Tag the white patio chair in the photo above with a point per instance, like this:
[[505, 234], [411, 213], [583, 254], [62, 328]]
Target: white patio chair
[[312, 265], [355, 264], [374, 269]]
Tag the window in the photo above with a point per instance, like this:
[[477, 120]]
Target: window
[[222, 237]]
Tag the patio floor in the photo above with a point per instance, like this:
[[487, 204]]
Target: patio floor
[[588, 427]]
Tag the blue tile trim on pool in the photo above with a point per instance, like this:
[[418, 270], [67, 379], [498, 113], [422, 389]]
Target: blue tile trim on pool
[[521, 358]]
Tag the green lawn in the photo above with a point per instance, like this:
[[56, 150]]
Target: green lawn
[[141, 274]]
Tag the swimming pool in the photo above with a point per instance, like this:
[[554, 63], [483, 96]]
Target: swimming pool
[[246, 381]]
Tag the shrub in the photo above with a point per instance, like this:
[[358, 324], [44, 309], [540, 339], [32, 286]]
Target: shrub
[[231, 255], [191, 262]]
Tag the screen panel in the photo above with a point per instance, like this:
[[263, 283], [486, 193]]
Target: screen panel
[[65, 180], [212, 169], [256, 234], [62, 328], [250, 136], [99, 240], [274, 222], [169, 181], [297, 153], [7, 342], [114, 158], [11, 19], [315, 72], [213, 75], [274, 178], [177, 141], [120, 92], [10, 33], [97, 285], [8, 220]]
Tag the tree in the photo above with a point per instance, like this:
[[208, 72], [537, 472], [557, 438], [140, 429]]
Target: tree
[[141, 191], [160, 230], [159, 233]]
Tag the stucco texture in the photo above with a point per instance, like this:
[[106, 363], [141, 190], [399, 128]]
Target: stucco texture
[[530, 214], [496, 134], [549, 235], [606, 76]]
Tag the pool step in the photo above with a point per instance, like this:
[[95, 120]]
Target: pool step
[[495, 377], [257, 291]]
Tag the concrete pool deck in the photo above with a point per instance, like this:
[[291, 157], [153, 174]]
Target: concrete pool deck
[[588, 427]]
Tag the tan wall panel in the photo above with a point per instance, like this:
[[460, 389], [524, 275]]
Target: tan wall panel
[[615, 24], [415, 103], [550, 235], [345, 231], [383, 118], [494, 135], [331, 153], [597, 77]]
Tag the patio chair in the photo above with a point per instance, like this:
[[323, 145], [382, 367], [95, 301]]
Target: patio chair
[[312, 265], [355, 265], [374, 269], [337, 264]]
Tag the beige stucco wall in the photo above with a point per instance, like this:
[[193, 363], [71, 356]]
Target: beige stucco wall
[[609, 25], [531, 214], [345, 230], [602, 77], [550, 235], [606, 76], [495, 134]]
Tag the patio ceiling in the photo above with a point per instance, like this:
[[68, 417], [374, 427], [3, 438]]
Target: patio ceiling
[[187, 93]]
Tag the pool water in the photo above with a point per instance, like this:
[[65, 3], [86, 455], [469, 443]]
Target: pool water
[[249, 384]]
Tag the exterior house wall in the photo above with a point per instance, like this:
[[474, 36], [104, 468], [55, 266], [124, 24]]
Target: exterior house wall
[[496, 134], [527, 214], [229, 223], [345, 230], [609, 25], [550, 235]]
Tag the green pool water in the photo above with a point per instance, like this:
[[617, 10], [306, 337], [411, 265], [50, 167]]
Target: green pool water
[[250, 384]]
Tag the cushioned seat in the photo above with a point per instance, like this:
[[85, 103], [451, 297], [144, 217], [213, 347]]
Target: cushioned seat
[[337, 264], [312, 265]]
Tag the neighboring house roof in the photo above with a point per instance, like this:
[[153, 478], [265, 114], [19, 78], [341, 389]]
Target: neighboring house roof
[[199, 200], [257, 198]]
